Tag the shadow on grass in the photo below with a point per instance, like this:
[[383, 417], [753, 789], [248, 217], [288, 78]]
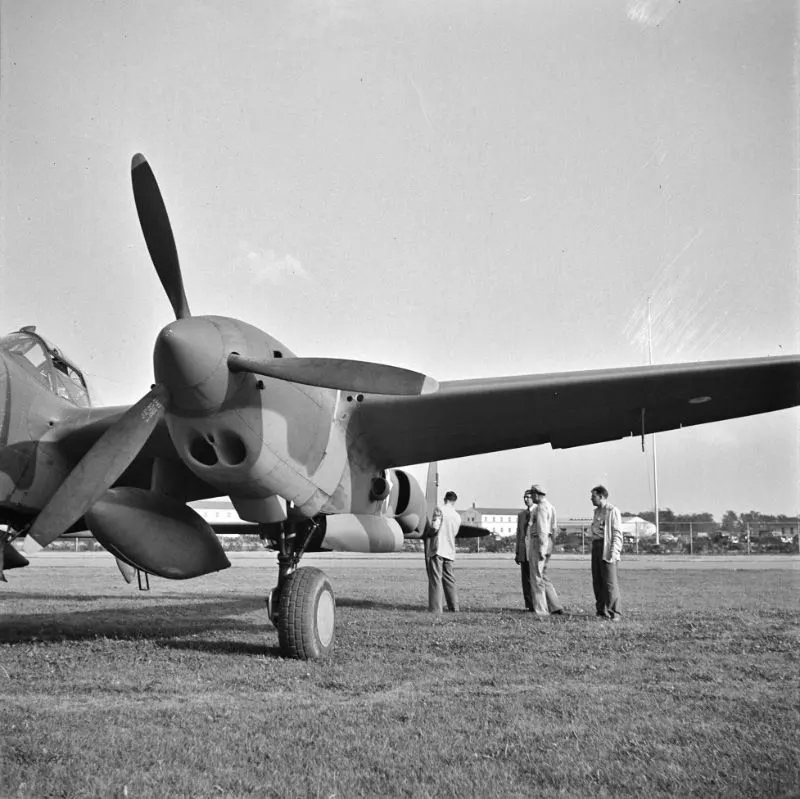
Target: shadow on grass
[[154, 622], [223, 647], [6, 595], [371, 604]]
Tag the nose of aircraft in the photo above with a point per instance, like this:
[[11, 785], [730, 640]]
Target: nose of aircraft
[[190, 359]]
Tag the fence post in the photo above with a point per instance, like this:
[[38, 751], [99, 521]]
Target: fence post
[[747, 533], [691, 540]]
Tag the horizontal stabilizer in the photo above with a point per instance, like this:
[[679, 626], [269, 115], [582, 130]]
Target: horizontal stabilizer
[[470, 531]]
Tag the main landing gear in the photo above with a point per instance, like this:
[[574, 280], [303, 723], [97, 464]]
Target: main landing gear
[[302, 606]]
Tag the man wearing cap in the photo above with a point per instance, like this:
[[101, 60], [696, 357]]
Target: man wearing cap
[[525, 522], [540, 546]]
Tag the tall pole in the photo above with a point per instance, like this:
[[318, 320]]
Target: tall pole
[[653, 436]]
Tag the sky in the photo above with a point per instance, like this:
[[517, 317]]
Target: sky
[[468, 189]]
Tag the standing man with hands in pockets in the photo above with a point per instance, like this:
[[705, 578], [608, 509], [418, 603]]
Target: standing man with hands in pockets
[[441, 577], [536, 530], [606, 550], [540, 546]]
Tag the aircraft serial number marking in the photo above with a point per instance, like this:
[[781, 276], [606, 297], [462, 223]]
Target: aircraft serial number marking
[[151, 409]]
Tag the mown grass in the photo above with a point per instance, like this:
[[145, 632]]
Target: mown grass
[[181, 692]]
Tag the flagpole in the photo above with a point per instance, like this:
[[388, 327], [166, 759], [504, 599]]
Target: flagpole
[[653, 435]]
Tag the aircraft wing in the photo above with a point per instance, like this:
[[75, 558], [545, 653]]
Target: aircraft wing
[[77, 432], [569, 409], [80, 428]]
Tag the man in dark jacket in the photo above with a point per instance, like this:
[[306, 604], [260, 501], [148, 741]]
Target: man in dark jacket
[[526, 519]]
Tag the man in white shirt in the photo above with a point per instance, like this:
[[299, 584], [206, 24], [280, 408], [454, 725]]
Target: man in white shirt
[[540, 545], [441, 577]]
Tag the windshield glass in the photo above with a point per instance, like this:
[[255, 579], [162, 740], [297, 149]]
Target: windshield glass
[[49, 367]]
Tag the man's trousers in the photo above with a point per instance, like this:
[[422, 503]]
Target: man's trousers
[[543, 592], [525, 572], [604, 582], [441, 579]]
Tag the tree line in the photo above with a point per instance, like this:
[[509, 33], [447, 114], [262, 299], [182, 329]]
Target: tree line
[[732, 521]]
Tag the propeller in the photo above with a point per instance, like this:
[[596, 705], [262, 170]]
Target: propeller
[[157, 232], [361, 376], [100, 467], [116, 449], [370, 378]]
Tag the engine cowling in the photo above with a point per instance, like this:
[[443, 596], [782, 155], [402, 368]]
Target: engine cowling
[[407, 503]]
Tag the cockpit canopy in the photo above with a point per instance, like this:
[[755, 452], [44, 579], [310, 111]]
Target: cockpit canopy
[[47, 364]]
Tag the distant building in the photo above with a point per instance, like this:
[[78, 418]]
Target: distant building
[[498, 521], [502, 522], [636, 527], [217, 511], [785, 529]]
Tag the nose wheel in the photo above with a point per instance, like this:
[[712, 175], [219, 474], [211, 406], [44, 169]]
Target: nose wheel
[[306, 617], [302, 606]]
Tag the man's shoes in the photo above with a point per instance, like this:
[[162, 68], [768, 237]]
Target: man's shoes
[[614, 618], [559, 612]]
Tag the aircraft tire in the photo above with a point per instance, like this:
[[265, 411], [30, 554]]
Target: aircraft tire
[[307, 615]]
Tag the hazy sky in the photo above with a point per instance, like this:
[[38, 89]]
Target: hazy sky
[[463, 188]]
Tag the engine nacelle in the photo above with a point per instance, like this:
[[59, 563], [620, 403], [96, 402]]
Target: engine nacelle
[[351, 532], [407, 503]]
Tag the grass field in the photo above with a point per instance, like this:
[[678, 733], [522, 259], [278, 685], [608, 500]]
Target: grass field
[[181, 691]]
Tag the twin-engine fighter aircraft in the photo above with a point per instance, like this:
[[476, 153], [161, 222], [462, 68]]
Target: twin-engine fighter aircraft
[[307, 448]]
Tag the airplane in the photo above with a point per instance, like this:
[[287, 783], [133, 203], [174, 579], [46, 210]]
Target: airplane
[[309, 449]]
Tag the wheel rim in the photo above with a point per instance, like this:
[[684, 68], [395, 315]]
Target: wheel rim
[[325, 618]]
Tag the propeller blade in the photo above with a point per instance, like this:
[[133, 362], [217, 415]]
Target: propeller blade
[[31, 547], [370, 378], [158, 234], [100, 467]]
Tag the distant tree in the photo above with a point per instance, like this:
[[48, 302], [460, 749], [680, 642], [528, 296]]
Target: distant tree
[[701, 522], [751, 517], [694, 517], [730, 521], [664, 515]]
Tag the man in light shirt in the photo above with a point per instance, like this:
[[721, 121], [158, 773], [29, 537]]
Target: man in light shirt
[[441, 577], [540, 546], [606, 550]]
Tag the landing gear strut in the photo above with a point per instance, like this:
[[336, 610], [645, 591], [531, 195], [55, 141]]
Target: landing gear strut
[[302, 606], [10, 558]]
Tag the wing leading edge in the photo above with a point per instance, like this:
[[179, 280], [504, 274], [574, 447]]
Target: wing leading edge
[[569, 409]]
